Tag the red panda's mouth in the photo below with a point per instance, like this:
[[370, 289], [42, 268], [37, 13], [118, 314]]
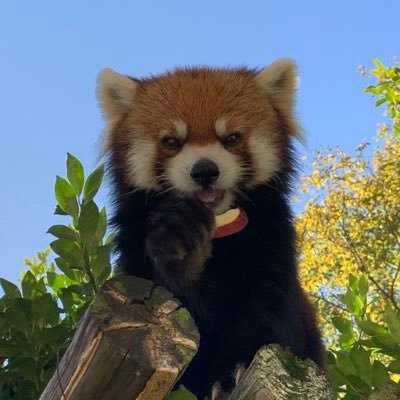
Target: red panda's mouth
[[210, 197]]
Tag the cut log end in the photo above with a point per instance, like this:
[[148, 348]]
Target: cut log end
[[275, 374], [134, 341]]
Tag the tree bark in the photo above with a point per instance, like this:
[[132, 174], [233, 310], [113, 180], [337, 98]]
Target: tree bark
[[275, 374], [134, 342], [387, 391]]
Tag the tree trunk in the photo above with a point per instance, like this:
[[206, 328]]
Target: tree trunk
[[134, 342]]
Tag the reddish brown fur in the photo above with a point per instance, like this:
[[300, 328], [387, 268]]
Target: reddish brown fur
[[197, 96]]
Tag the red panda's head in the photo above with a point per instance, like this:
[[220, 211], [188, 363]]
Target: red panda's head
[[200, 132]]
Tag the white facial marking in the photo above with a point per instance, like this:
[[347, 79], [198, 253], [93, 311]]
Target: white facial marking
[[181, 129], [265, 156], [141, 160], [220, 126], [179, 168]]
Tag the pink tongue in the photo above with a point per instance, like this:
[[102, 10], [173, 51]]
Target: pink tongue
[[207, 195]]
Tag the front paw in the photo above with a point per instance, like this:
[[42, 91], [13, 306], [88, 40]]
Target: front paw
[[179, 237]]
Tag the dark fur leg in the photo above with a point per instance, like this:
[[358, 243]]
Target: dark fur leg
[[179, 240]]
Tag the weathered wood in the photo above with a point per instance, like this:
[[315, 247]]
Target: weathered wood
[[387, 391], [134, 342], [275, 374]]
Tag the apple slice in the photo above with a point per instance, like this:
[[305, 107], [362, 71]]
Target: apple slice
[[232, 221]]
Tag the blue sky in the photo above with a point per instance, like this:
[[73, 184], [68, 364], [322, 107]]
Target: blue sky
[[52, 51]]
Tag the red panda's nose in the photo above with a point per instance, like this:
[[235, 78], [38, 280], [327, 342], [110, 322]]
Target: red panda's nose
[[205, 172]]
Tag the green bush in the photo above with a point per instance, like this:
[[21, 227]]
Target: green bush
[[38, 319], [368, 353]]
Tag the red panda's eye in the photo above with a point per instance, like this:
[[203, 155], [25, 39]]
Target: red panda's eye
[[232, 139], [171, 143]]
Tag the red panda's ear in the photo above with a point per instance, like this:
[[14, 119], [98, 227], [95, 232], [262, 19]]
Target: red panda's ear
[[279, 82], [115, 93]]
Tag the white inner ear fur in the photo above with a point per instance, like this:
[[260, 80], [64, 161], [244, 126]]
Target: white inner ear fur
[[116, 95], [279, 82]]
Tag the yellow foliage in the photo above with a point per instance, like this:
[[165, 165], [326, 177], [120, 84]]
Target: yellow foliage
[[351, 224]]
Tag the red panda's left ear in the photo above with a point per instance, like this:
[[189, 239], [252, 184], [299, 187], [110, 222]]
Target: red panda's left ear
[[279, 82]]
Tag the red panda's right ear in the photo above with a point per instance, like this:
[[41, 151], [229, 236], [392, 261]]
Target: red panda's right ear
[[115, 93]]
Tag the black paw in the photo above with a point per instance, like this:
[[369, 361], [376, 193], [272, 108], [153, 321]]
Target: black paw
[[178, 232]]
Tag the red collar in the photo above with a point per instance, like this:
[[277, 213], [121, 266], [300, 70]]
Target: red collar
[[231, 222]]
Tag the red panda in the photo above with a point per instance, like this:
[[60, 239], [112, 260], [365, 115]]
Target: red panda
[[188, 145]]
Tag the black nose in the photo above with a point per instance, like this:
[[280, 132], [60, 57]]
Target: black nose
[[205, 172]]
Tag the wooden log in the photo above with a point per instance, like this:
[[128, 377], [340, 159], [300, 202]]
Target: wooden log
[[386, 391], [134, 342], [275, 374]]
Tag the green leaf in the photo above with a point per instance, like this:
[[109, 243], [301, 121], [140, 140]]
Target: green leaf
[[66, 197], [372, 89], [25, 305], [345, 365], [28, 285], [55, 281], [359, 384], [101, 260], [371, 328], [335, 376], [387, 345], [45, 308], [10, 289], [393, 322], [359, 305], [17, 318], [348, 299], [363, 285], [8, 349], [380, 101], [353, 283], [28, 370], [181, 394], [102, 227], [346, 340], [378, 63], [4, 325], [394, 367], [65, 267], [54, 335], [88, 220], [59, 211], [93, 183], [342, 325], [75, 174], [379, 374], [67, 300], [63, 232], [68, 250], [26, 390], [361, 360]]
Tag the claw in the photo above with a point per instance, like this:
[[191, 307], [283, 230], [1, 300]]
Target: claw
[[239, 372], [217, 393]]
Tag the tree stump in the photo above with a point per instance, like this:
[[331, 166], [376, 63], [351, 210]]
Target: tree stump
[[134, 342], [387, 391], [275, 374]]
